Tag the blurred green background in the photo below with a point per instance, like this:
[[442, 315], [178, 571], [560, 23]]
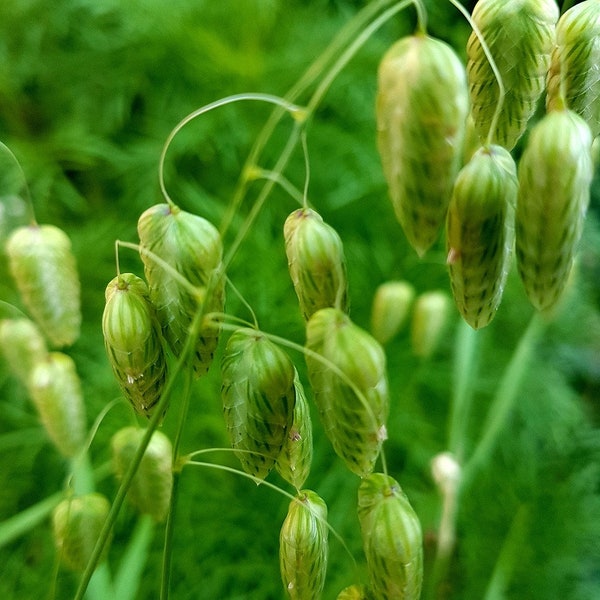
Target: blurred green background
[[89, 90]]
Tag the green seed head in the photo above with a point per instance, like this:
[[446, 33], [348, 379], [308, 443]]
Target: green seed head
[[133, 342], [422, 106], [355, 592], [520, 37], [259, 395], [350, 387], [574, 76], [480, 233], [316, 262], [76, 524], [392, 539], [555, 173], [55, 389], [390, 309], [44, 269], [429, 320], [192, 247], [150, 491], [303, 547]]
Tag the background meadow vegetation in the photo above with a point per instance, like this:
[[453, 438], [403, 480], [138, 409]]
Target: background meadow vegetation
[[89, 91]]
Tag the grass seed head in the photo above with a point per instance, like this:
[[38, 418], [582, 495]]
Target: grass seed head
[[192, 247], [303, 547], [555, 174], [350, 387], [355, 592], [520, 37], [259, 395], [422, 106], [150, 490], [392, 539], [316, 262], [76, 525], [480, 233], [430, 317], [55, 389], [133, 342], [44, 269], [390, 309]]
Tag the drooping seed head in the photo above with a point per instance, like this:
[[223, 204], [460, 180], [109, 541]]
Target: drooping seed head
[[76, 525], [55, 390], [555, 173], [422, 106], [44, 269], [150, 490], [133, 342], [574, 76], [192, 247], [520, 37], [349, 379], [316, 262], [392, 539], [303, 547], [390, 309], [258, 395], [480, 233], [430, 317]]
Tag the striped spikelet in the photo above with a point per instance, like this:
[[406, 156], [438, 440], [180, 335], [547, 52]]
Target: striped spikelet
[[574, 75], [392, 539], [44, 269], [192, 247], [295, 458], [303, 547], [258, 394], [133, 342], [150, 489], [480, 233], [316, 262], [555, 173], [520, 37], [350, 387], [422, 106]]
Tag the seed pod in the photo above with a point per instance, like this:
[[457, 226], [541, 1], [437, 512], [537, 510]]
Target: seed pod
[[574, 77], [192, 247], [430, 317], [355, 592], [392, 539], [23, 346], [422, 106], [150, 490], [555, 173], [316, 262], [55, 389], [76, 524], [303, 547], [258, 399], [480, 233], [350, 387], [133, 342], [391, 307], [293, 463], [520, 36], [44, 269]]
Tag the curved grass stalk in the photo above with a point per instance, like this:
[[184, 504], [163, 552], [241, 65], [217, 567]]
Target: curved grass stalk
[[22, 185], [258, 173]]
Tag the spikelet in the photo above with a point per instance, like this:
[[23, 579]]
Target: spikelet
[[392, 539], [192, 246], [480, 233], [303, 547], [355, 592], [422, 106], [574, 75], [44, 269], [295, 458], [429, 321], [55, 389], [23, 346], [555, 173], [352, 393], [258, 399], [390, 309], [133, 342], [520, 37], [76, 525], [316, 262], [150, 490]]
